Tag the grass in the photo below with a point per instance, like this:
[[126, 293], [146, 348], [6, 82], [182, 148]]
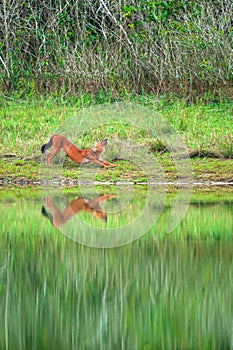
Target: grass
[[207, 130], [206, 169], [205, 127]]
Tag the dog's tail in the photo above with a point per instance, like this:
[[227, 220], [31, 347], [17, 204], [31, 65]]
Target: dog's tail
[[47, 145]]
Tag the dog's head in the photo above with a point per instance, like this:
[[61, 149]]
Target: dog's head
[[100, 147]]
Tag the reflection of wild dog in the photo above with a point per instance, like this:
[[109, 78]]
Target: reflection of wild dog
[[92, 206], [76, 154]]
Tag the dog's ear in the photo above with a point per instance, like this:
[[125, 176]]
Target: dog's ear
[[105, 142]]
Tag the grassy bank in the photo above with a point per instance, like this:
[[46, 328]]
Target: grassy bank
[[207, 130]]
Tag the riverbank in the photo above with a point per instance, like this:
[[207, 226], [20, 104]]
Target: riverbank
[[207, 170], [206, 130]]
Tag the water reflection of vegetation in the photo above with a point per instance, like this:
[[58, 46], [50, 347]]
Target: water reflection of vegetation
[[152, 294], [55, 294], [209, 216]]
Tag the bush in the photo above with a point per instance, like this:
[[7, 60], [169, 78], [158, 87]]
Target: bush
[[68, 46]]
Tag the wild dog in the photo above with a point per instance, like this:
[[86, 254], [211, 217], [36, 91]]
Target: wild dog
[[78, 155], [61, 217]]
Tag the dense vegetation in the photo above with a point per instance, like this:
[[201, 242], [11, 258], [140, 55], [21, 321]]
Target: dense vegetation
[[72, 46]]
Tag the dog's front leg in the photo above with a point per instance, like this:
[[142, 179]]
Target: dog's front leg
[[101, 163], [95, 160], [108, 164]]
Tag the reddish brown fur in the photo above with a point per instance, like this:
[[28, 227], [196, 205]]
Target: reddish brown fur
[[76, 154], [61, 217]]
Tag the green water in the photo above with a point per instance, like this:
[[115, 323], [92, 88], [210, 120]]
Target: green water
[[161, 291]]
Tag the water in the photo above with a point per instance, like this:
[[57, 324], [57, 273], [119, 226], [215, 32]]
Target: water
[[162, 291]]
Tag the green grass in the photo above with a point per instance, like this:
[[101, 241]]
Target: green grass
[[204, 169], [205, 127], [207, 130]]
